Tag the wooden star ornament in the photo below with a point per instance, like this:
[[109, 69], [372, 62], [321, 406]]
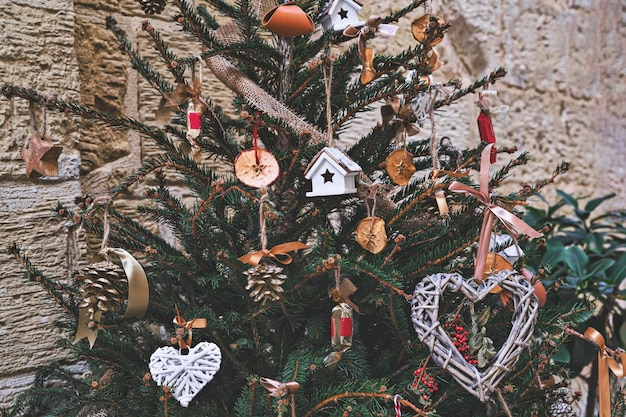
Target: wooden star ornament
[[41, 157]]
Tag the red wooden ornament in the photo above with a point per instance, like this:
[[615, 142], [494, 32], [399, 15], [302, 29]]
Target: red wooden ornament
[[487, 135]]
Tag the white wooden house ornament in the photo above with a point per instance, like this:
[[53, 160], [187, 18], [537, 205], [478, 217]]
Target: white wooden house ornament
[[331, 173], [339, 14]]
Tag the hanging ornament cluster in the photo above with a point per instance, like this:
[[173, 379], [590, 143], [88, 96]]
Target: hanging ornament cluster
[[265, 278], [41, 155], [399, 164], [103, 288], [484, 121], [336, 15], [192, 97], [186, 369], [341, 323], [429, 31], [373, 27], [288, 20]]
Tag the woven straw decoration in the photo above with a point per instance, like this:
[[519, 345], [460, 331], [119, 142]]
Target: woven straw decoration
[[425, 316]]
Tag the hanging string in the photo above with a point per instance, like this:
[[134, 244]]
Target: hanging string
[[33, 117], [433, 133], [255, 136], [263, 232], [104, 201], [371, 196], [338, 276], [328, 80]]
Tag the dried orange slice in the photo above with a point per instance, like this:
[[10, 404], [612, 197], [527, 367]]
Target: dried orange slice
[[256, 167], [400, 166], [371, 234]]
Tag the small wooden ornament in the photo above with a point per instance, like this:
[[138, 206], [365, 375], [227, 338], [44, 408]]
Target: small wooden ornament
[[256, 167], [371, 234], [400, 166], [41, 157]]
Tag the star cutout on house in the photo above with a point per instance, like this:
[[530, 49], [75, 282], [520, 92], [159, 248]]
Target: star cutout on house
[[41, 157], [328, 176], [343, 13]]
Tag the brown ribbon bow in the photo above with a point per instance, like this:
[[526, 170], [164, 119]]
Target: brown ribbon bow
[[392, 112], [187, 325], [514, 225], [279, 389], [342, 293], [372, 27], [606, 362], [277, 253]]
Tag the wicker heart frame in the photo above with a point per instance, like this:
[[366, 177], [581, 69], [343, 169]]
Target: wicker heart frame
[[186, 374], [425, 317]]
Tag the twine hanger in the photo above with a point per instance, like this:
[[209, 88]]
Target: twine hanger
[[328, 80]]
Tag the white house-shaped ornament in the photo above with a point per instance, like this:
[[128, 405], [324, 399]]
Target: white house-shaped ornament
[[339, 14], [331, 172]]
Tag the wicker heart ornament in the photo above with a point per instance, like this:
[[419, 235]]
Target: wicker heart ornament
[[425, 316], [186, 375]]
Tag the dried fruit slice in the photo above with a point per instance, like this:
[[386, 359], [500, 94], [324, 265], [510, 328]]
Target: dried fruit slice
[[400, 166], [256, 167]]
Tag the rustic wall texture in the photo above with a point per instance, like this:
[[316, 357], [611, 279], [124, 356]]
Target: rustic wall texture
[[565, 89]]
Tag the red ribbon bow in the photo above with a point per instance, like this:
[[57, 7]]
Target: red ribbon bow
[[513, 224]]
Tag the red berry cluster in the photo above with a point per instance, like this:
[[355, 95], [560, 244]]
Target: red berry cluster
[[425, 383], [460, 338]]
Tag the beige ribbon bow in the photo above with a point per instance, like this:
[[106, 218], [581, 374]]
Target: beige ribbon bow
[[189, 326], [372, 27], [277, 253], [606, 362], [279, 389], [342, 292], [514, 225]]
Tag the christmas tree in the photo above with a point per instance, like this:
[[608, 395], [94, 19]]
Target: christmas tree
[[304, 273]]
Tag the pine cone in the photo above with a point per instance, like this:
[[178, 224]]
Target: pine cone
[[103, 287], [561, 409], [152, 6], [265, 282]]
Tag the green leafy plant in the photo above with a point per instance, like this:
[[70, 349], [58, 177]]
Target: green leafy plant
[[585, 260]]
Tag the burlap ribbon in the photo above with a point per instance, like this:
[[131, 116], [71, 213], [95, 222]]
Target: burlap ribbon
[[185, 343], [606, 362], [279, 389], [514, 225], [372, 27], [277, 253]]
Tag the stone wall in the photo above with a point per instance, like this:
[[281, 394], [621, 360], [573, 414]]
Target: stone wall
[[565, 86]]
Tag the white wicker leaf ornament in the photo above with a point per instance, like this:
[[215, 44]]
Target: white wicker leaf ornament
[[425, 316], [186, 375]]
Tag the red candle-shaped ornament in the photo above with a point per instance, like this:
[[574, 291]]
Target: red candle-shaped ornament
[[487, 135], [194, 120], [341, 329]]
